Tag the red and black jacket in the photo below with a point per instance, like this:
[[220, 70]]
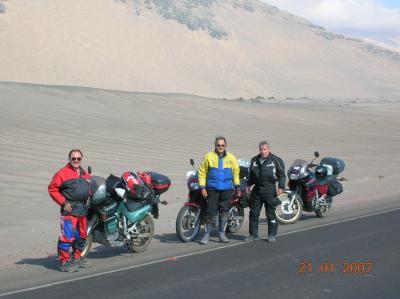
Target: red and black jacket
[[68, 185]]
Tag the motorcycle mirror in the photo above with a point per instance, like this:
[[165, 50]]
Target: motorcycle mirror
[[89, 169], [191, 162], [316, 154]]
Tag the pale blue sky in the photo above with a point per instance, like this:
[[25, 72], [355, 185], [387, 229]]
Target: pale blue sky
[[389, 3], [373, 20]]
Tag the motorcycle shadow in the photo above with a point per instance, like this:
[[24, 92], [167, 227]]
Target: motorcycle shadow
[[167, 238]]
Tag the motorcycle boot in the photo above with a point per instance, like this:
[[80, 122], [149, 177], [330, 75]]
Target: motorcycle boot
[[223, 220], [68, 267], [206, 236], [272, 230], [81, 262]]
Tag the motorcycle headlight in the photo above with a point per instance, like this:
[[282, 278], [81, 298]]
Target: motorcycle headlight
[[194, 186], [293, 176]]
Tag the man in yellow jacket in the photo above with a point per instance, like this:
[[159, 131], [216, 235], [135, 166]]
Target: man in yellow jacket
[[218, 176]]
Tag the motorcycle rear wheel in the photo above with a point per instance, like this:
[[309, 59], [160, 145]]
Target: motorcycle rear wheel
[[187, 228], [287, 213], [322, 212], [235, 219], [88, 245], [146, 227]]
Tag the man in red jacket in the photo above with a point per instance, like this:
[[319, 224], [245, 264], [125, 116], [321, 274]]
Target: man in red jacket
[[70, 189]]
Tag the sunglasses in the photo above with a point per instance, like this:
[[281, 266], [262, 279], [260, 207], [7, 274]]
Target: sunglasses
[[76, 158], [220, 145]]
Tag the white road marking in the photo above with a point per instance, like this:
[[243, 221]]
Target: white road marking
[[184, 255]]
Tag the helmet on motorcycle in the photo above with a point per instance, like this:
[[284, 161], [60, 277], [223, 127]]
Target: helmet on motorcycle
[[134, 185], [321, 171]]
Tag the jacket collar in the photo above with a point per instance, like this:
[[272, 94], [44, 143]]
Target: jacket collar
[[82, 171], [223, 154]]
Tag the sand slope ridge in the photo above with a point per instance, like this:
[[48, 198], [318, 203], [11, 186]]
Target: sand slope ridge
[[211, 48]]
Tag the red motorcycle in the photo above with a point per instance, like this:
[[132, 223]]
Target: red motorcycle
[[192, 215]]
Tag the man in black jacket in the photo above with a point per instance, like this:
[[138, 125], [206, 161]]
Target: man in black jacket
[[266, 169]]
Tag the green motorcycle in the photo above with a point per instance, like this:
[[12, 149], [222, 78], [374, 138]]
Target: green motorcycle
[[120, 210]]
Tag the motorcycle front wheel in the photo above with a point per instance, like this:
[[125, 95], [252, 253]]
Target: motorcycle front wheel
[[146, 231], [235, 219], [188, 223], [289, 211]]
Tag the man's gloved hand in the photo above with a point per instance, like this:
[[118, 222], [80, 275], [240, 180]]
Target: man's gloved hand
[[67, 206], [238, 192]]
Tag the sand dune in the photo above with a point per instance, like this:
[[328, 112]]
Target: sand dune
[[120, 131], [224, 49]]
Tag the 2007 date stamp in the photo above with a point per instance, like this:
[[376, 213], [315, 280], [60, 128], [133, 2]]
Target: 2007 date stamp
[[346, 267]]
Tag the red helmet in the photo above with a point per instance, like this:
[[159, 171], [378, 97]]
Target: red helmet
[[134, 185]]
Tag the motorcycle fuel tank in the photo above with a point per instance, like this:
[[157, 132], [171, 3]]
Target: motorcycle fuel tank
[[98, 189]]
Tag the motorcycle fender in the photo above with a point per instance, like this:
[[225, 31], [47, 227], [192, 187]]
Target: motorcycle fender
[[92, 223], [192, 204], [292, 193]]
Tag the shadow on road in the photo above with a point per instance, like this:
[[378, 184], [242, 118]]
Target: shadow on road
[[49, 262], [168, 238]]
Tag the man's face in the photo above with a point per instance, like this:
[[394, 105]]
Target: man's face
[[220, 146], [75, 159], [264, 151]]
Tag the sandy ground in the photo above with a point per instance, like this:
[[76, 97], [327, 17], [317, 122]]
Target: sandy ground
[[120, 131]]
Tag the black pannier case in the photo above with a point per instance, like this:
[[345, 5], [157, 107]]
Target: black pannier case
[[337, 164], [244, 172], [334, 186], [159, 182]]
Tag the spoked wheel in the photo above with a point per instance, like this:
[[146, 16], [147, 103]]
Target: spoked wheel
[[142, 240], [188, 223], [290, 209], [235, 219], [88, 245]]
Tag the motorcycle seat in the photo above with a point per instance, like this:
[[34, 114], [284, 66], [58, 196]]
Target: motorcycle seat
[[112, 182]]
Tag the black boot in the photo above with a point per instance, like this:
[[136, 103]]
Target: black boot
[[272, 230]]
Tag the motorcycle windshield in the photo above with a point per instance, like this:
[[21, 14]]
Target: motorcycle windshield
[[298, 170]]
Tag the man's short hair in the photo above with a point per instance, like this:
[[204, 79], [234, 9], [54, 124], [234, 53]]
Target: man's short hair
[[263, 143], [219, 137], [73, 151]]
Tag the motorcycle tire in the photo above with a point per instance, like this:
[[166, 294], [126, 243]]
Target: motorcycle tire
[[235, 219], [88, 245], [148, 224], [322, 212], [286, 214], [186, 229]]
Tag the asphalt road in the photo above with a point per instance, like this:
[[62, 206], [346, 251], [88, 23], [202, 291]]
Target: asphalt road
[[353, 259]]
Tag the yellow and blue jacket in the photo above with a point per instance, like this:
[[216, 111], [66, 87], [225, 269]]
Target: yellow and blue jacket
[[219, 173]]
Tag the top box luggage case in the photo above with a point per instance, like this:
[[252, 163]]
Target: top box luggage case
[[337, 164], [159, 182]]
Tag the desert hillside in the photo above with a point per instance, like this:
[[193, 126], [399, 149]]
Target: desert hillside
[[213, 48]]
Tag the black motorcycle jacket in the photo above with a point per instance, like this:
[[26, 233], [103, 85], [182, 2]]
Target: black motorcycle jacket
[[68, 186], [265, 173]]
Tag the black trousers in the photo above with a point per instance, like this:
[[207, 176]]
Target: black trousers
[[257, 201], [218, 200]]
